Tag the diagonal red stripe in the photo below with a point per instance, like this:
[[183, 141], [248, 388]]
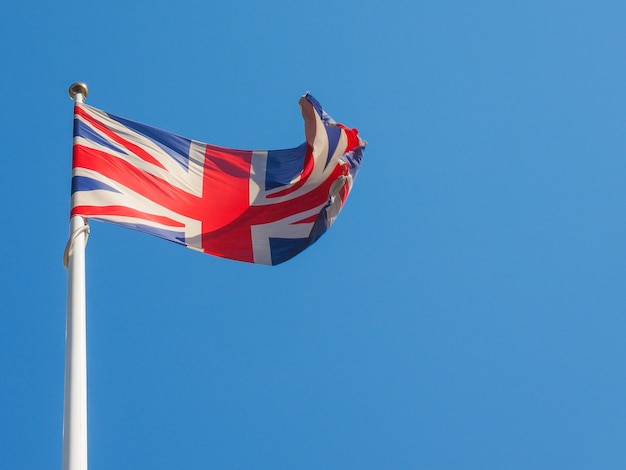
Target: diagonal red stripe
[[122, 211], [152, 187], [145, 156]]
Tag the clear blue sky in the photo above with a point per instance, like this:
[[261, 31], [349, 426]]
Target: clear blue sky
[[467, 309]]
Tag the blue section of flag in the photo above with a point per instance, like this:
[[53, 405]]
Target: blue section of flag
[[320, 111], [170, 235], [283, 166], [175, 146], [84, 183], [286, 248], [320, 226], [354, 160], [334, 133], [83, 130], [283, 249]]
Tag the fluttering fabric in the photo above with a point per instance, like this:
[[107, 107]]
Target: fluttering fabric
[[254, 206]]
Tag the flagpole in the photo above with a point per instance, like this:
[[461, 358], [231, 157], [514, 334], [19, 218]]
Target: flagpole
[[75, 399]]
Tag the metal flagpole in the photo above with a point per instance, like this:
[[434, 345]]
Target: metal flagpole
[[75, 400]]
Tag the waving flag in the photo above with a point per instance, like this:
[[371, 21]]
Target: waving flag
[[254, 206]]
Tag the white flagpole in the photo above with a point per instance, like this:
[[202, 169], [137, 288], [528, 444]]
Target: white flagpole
[[75, 400]]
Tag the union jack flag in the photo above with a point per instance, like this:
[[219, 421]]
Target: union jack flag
[[254, 206]]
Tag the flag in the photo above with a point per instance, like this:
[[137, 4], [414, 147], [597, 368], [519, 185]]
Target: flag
[[254, 206]]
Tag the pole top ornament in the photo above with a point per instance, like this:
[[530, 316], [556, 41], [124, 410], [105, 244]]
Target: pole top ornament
[[78, 87]]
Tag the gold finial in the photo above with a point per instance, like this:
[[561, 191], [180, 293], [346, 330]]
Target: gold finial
[[78, 87]]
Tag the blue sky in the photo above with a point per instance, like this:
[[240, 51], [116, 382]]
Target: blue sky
[[467, 308]]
